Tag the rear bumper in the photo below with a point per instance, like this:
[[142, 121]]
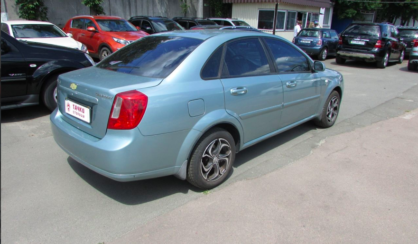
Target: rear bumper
[[372, 55], [121, 155], [311, 50]]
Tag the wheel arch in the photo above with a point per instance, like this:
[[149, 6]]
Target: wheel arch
[[225, 121], [102, 46]]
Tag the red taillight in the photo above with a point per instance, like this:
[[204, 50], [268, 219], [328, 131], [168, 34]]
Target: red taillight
[[319, 42], [128, 110], [378, 44], [340, 41], [415, 42]]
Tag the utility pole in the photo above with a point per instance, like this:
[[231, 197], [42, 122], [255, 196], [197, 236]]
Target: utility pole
[[275, 17]]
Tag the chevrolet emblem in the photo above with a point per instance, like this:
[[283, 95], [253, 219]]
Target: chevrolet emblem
[[73, 86]]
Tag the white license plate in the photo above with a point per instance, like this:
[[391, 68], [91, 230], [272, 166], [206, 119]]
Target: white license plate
[[304, 41], [358, 42], [77, 110]]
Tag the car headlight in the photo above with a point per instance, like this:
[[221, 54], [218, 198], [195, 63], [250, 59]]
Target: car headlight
[[84, 48], [90, 59], [121, 41]]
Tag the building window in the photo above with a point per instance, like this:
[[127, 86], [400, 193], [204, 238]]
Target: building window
[[326, 16], [286, 20]]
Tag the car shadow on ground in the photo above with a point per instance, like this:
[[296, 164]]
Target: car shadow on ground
[[405, 69], [138, 192], [361, 64], [25, 113]]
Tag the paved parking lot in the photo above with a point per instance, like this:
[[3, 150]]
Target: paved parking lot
[[49, 198]]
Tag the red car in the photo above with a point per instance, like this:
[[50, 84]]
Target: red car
[[102, 35]]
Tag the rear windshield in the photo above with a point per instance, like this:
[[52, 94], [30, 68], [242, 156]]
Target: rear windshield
[[36, 31], [364, 30], [240, 23], [153, 56], [309, 33], [408, 33], [162, 25], [205, 22]]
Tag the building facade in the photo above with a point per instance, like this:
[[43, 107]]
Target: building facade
[[260, 14]]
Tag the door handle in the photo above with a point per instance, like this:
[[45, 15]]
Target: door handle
[[238, 91], [291, 84]]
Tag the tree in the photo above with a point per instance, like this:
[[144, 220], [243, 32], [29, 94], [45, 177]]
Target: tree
[[32, 9], [95, 6], [403, 9], [353, 10], [184, 7]]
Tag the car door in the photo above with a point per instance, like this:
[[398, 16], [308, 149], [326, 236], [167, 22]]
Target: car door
[[395, 43], [89, 38], [13, 71], [327, 40], [334, 40], [301, 87], [253, 94], [75, 28]]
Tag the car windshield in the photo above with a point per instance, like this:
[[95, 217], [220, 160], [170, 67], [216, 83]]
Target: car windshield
[[365, 30], [205, 22], [36, 31], [240, 23], [162, 25], [153, 56], [309, 33], [115, 25], [408, 33]]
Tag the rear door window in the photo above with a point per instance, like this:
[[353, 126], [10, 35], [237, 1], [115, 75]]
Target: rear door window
[[246, 57], [326, 34], [211, 68], [334, 35], [154, 56], [77, 24], [287, 58]]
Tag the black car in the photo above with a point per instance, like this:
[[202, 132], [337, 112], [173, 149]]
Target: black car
[[408, 34], [29, 71], [380, 43], [317, 42], [154, 24], [188, 23]]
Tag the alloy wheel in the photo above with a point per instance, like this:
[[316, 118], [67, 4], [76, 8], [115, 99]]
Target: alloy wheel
[[332, 109], [215, 160], [55, 94], [385, 61], [324, 54]]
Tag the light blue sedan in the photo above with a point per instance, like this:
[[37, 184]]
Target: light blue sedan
[[184, 103]]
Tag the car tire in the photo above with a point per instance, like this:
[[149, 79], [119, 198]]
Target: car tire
[[212, 159], [384, 62], [411, 66], [339, 60], [401, 57], [330, 111], [49, 93], [323, 54], [104, 52]]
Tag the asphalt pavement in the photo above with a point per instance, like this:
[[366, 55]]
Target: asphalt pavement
[[49, 198]]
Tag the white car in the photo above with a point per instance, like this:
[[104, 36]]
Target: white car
[[230, 22], [40, 31]]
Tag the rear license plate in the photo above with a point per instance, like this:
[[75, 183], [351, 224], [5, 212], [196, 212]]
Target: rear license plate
[[305, 41], [358, 42], [77, 110]]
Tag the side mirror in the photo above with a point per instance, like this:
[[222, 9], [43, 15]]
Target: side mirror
[[319, 66], [91, 29], [70, 35]]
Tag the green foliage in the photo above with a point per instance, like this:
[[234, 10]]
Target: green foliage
[[184, 7], [217, 7], [32, 9], [95, 6], [353, 10], [405, 10]]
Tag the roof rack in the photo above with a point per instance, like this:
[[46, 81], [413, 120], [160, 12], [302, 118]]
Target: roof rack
[[146, 16]]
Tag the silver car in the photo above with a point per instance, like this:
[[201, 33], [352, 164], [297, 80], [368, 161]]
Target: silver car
[[184, 103]]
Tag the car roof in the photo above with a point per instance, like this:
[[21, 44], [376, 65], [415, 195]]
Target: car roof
[[209, 33], [407, 28], [22, 22], [97, 17]]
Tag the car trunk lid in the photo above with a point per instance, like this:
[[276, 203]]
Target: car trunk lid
[[90, 93], [361, 37]]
